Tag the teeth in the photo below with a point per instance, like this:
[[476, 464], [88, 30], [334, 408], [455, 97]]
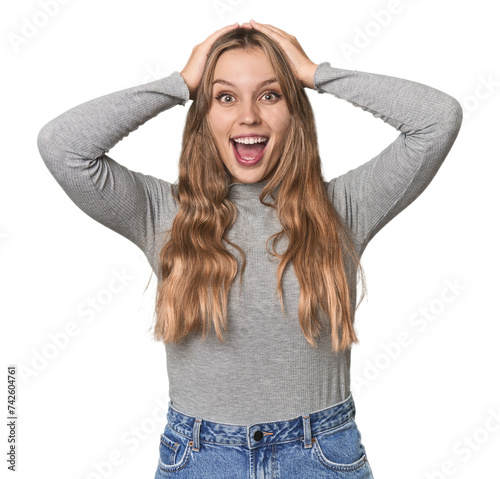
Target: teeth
[[250, 141]]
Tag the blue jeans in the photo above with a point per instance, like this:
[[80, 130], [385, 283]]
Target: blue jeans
[[322, 444]]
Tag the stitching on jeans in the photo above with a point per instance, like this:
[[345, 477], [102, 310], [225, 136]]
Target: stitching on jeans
[[273, 470], [174, 449], [281, 442], [245, 444], [178, 432], [334, 427]]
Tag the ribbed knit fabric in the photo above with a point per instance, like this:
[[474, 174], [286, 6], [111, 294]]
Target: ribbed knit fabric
[[265, 370]]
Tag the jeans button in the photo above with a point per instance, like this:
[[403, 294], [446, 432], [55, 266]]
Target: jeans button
[[258, 435]]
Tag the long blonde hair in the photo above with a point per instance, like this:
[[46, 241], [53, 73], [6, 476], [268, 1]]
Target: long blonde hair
[[197, 270]]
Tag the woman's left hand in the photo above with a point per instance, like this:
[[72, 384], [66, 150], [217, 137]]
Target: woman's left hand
[[303, 67]]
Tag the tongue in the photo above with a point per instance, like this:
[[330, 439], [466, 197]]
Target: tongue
[[249, 151]]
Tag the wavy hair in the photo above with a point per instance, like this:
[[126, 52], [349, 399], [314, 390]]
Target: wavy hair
[[197, 270]]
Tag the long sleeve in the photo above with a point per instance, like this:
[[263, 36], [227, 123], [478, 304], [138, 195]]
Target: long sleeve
[[74, 145], [369, 196]]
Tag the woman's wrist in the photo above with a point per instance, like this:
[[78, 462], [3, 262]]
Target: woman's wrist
[[188, 83], [307, 75]]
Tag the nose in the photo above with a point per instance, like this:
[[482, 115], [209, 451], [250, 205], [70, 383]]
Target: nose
[[249, 113]]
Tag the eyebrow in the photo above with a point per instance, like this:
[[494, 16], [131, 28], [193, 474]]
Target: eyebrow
[[228, 83]]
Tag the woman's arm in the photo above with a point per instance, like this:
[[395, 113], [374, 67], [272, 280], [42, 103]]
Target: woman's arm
[[74, 146], [429, 120], [369, 196]]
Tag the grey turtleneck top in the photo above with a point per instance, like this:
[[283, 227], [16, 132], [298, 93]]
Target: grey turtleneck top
[[265, 370]]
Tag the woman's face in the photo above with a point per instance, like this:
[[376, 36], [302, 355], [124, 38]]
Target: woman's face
[[248, 115]]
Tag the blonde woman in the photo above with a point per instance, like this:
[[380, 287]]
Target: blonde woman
[[257, 257]]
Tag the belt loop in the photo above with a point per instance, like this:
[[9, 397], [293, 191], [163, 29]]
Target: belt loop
[[306, 421], [196, 435]]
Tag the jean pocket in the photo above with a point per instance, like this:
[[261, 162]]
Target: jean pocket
[[175, 451], [340, 448]]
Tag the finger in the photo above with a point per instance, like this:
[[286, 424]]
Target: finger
[[284, 39], [270, 29], [260, 26], [211, 38], [222, 30]]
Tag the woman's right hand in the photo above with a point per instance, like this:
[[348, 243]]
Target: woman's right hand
[[193, 70]]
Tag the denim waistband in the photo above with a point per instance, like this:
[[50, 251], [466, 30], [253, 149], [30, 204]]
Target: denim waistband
[[303, 427]]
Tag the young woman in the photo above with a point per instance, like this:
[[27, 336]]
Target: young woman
[[251, 242]]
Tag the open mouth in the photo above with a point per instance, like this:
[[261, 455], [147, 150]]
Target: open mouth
[[249, 154]]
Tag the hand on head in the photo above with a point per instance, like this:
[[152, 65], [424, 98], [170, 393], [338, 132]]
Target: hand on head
[[194, 67], [301, 64]]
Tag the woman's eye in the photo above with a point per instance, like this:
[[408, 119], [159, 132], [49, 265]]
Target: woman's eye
[[227, 98], [271, 96], [224, 98]]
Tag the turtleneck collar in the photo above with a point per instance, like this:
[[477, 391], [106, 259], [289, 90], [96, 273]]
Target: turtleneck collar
[[246, 190]]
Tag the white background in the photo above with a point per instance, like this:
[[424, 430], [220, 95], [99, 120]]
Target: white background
[[102, 396]]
